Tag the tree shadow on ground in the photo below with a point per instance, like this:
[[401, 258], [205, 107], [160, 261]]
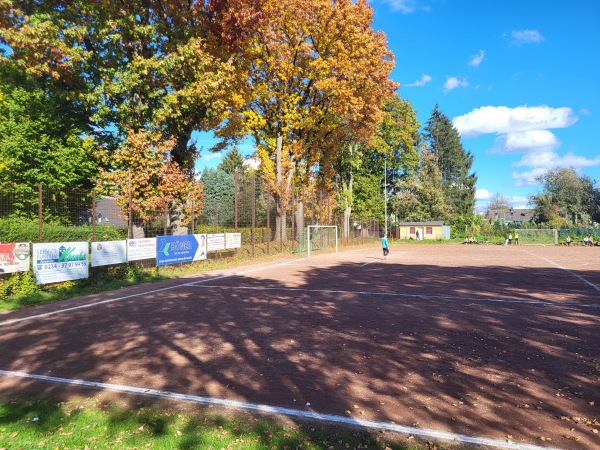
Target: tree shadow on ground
[[500, 352]]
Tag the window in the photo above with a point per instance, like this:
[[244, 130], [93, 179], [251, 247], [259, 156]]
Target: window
[[412, 230], [428, 230]]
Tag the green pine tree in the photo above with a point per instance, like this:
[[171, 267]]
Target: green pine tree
[[454, 161]]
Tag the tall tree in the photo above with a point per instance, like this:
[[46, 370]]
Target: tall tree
[[454, 162], [567, 198], [219, 197], [498, 201], [43, 137], [420, 195], [317, 70], [155, 65], [233, 162], [394, 146]]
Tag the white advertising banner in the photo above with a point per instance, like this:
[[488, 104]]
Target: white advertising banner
[[60, 261], [138, 249], [201, 251], [109, 252], [14, 257], [215, 242], [233, 240]]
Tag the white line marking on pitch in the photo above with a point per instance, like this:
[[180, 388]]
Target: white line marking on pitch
[[398, 294], [433, 434], [154, 291], [589, 283]]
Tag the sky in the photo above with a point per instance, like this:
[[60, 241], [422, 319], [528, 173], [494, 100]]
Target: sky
[[520, 79]]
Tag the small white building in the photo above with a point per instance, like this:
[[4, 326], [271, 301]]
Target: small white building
[[433, 230]]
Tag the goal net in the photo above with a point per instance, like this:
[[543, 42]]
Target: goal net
[[321, 237], [537, 237]]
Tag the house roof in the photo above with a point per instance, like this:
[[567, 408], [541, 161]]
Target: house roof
[[510, 214], [437, 223]]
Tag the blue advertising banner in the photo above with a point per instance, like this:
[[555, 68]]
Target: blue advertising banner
[[180, 249]]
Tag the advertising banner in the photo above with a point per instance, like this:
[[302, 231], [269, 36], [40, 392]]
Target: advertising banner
[[233, 240], [180, 249], [215, 242], [14, 257], [60, 261], [109, 252], [138, 249]]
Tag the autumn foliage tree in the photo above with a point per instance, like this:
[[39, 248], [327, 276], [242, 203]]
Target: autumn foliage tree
[[317, 72], [147, 182], [143, 64]]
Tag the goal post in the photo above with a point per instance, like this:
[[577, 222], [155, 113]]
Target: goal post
[[321, 237], [538, 236]]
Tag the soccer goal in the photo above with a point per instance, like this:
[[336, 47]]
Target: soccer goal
[[537, 237], [321, 237]]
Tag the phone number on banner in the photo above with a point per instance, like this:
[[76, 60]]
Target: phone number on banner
[[65, 265]]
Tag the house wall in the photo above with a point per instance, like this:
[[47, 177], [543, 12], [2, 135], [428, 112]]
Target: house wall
[[426, 232]]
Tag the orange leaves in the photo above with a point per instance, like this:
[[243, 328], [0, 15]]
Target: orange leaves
[[319, 76], [145, 178]]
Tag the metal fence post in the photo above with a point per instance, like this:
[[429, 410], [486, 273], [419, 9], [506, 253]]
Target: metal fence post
[[93, 214], [253, 214], [268, 227], [130, 206]]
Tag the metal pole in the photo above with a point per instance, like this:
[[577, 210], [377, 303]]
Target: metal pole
[[40, 213]]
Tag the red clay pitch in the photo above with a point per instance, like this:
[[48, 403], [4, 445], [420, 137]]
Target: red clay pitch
[[485, 341]]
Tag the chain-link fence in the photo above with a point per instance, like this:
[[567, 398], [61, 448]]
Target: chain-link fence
[[44, 214]]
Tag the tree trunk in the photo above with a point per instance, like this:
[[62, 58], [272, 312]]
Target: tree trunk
[[299, 219], [347, 214], [280, 221], [137, 232]]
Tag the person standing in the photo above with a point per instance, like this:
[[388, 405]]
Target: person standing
[[516, 237], [384, 246], [505, 239], [510, 238], [568, 240]]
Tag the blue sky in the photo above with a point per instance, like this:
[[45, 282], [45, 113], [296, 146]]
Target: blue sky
[[520, 80]]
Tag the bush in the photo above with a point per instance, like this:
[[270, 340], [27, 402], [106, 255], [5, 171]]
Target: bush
[[18, 285], [18, 230]]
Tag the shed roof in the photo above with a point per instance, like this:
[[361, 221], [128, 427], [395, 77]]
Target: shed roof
[[437, 223]]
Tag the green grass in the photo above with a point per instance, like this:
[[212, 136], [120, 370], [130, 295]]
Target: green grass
[[90, 424]]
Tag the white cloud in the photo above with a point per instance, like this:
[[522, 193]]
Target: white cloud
[[518, 202], [527, 178], [521, 37], [585, 112], [526, 37], [252, 161], [525, 130], [502, 119], [453, 83], [535, 140], [422, 82], [404, 6], [542, 161], [550, 160], [482, 194], [477, 59], [210, 156]]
